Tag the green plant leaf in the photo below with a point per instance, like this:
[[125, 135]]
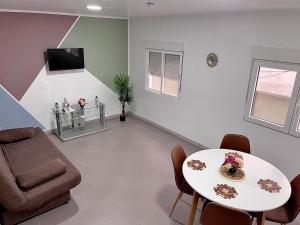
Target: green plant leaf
[[124, 88]]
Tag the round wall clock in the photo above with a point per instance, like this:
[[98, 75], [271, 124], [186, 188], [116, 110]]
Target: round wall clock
[[212, 60]]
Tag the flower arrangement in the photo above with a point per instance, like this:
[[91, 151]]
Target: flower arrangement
[[233, 161], [82, 102]]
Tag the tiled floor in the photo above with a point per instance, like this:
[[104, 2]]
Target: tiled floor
[[127, 179]]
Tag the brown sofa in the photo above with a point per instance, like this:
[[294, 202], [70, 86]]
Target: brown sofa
[[34, 175]]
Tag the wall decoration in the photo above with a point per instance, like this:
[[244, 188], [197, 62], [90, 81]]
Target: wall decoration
[[24, 38], [13, 115], [212, 60], [99, 37], [36, 91]]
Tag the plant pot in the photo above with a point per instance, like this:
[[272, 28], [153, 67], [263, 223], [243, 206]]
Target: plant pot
[[122, 117]]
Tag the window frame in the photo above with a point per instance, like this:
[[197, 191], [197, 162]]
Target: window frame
[[296, 118], [163, 58], [252, 85]]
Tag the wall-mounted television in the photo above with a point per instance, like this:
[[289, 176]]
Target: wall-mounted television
[[65, 58]]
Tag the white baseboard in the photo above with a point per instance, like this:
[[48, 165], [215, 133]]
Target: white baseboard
[[169, 131], [51, 131], [153, 124]]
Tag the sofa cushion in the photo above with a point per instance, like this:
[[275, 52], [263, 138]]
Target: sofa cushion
[[12, 135], [41, 174], [11, 197], [31, 153]]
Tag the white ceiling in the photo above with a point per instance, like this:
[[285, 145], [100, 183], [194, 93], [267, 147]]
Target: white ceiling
[[134, 8]]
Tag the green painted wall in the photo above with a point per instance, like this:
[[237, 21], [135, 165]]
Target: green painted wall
[[105, 43]]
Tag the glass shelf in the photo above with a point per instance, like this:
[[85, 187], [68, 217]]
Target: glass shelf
[[76, 122], [77, 108]]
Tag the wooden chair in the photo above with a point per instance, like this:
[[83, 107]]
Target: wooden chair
[[215, 214], [178, 156], [290, 210], [236, 142]]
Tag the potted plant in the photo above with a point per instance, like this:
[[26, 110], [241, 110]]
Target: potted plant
[[124, 89], [233, 162]]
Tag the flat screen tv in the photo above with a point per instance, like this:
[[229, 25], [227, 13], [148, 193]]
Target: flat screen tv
[[65, 58]]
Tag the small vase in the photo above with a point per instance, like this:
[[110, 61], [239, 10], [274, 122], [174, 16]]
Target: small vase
[[232, 170], [82, 107]]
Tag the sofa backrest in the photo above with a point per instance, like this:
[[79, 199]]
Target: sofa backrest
[[11, 197]]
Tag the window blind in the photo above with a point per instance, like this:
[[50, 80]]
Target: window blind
[[155, 64], [172, 66]]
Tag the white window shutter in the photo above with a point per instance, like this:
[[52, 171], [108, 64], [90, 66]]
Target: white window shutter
[[172, 66], [155, 64]]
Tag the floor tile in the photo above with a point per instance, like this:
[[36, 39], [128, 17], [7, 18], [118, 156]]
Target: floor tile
[[127, 179]]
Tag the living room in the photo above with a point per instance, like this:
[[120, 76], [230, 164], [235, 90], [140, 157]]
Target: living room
[[112, 109]]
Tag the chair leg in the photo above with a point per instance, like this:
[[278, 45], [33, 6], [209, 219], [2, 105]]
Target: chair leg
[[175, 203]]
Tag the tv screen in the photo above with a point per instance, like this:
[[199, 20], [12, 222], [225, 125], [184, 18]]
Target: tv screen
[[65, 59]]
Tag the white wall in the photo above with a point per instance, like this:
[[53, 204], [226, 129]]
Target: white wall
[[47, 89], [212, 99]]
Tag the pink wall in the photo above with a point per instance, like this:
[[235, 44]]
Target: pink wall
[[23, 40]]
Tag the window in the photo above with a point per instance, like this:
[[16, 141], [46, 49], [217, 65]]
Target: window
[[272, 99], [155, 71], [164, 72]]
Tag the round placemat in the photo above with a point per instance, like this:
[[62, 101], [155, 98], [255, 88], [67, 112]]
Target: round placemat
[[238, 176]]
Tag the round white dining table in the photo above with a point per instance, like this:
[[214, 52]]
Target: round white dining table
[[250, 196]]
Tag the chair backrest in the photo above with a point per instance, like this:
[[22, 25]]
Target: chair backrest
[[215, 214], [178, 156], [236, 142], [293, 204]]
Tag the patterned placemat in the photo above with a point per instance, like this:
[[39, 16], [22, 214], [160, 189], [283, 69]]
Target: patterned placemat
[[269, 185], [196, 164], [225, 191]]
